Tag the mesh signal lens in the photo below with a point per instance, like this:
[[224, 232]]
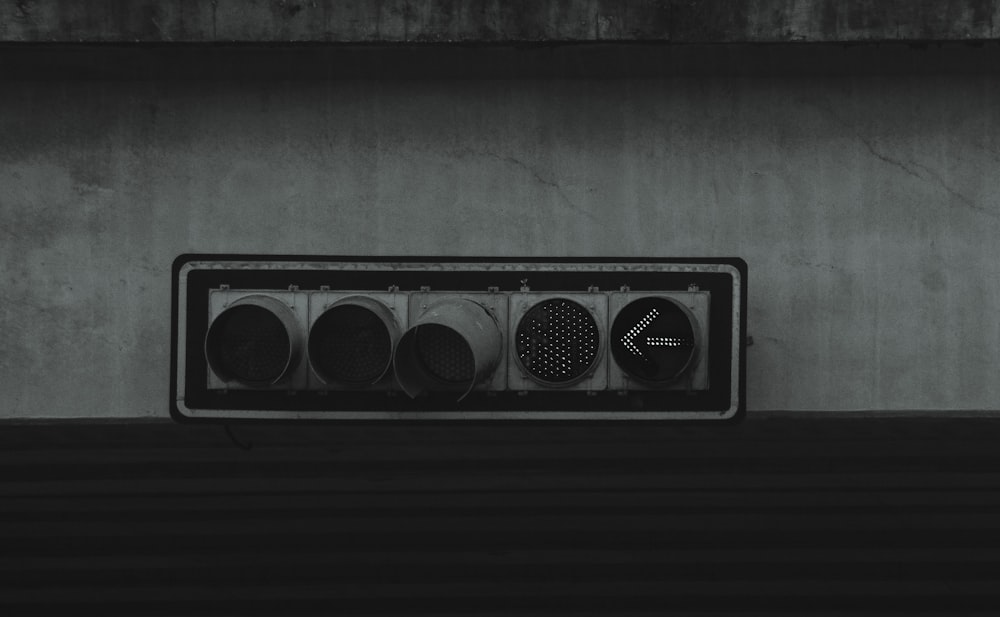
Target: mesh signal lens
[[557, 342], [249, 344], [453, 345], [351, 344], [445, 354], [653, 339]]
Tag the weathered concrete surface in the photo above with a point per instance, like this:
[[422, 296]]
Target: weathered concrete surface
[[486, 21], [867, 205]]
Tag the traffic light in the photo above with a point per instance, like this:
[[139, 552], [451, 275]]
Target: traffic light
[[335, 338], [454, 344], [660, 341], [557, 341], [255, 339], [352, 337]]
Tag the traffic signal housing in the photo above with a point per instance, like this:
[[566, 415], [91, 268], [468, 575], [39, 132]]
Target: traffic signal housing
[[352, 337], [349, 339], [660, 341], [255, 339], [454, 345], [558, 340]]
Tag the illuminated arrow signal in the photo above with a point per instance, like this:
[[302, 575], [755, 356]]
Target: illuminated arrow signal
[[629, 339], [666, 341]]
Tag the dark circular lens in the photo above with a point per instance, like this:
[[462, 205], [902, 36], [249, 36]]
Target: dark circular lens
[[653, 339], [557, 341], [350, 343], [444, 354], [249, 344]]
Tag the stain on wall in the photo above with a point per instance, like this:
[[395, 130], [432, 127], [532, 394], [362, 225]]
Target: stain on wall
[[866, 206]]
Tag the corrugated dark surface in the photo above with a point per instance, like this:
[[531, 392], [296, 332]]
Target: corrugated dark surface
[[808, 515]]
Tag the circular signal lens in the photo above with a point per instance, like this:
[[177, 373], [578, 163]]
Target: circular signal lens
[[444, 354], [249, 344], [351, 344], [454, 345], [557, 342], [654, 339]]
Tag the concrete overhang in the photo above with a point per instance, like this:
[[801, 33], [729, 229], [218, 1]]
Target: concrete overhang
[[496, 21]]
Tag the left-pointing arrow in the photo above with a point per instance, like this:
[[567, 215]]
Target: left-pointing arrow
[[629, 339]]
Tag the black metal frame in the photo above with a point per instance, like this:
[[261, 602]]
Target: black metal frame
[[199, 282]]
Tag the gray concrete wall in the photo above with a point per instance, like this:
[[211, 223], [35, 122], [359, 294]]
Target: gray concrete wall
[[861, 188], [434, 21]]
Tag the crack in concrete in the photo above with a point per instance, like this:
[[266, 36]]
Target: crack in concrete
[[887, 159], [11, 233], [215, 11], [994, 154], [928, 175], [164, 35], [558, 188], [954, 193]]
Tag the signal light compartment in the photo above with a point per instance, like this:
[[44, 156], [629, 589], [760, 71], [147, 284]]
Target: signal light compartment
[[287, 308], [489, 314], [632, 338], [570, 326], [711, 291], [372, 310]]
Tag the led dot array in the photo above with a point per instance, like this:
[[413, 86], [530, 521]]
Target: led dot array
[[557, 341], [629, 339], [668, 341]]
